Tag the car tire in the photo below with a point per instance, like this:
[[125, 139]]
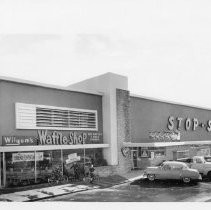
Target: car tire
[[209, 175], [151, 177], [186, 179]]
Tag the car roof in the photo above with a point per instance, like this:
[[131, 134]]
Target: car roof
[[174, 163], [198, 156]]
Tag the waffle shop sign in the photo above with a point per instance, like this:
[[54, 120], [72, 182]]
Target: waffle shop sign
[[57, 138]]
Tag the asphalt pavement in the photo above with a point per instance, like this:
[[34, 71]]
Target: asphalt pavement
[[127, 188], [143, 190]]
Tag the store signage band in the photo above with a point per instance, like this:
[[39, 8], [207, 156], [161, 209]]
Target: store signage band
[[165, 136], [53, 138], [187, 124], [57, 138], [18, 140]]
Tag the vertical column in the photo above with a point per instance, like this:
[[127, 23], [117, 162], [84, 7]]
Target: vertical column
[[123, 129], [84, 157], [4, 170], [35, 167], [62, 162], [0, 169]]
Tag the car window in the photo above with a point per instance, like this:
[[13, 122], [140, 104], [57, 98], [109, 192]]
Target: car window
[[189, 160], [198, 160], [177, 167], [166, 167], [208, 159]]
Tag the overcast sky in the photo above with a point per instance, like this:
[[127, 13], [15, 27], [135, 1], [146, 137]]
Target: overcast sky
[[164, 47]]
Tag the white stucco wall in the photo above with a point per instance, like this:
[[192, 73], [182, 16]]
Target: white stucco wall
[[106, 84]]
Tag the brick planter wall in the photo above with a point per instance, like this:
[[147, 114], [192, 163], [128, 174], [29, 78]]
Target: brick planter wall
[[123, 129], [123, 135]]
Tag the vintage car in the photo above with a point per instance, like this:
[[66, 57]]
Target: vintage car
[[201, 163], [172, 170]]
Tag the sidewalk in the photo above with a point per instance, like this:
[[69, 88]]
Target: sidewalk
[[47, 192]]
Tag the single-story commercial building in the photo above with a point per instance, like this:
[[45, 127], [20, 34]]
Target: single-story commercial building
[[97, 120]]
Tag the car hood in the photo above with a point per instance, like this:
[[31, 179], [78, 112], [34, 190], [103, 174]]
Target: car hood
[[208, 164]]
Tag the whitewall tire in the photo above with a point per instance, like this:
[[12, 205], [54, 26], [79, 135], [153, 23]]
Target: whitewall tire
[[151, 177], [186, 179]]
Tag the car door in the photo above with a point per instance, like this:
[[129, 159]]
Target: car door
[[165, 172], [176, 171], [198, 164]]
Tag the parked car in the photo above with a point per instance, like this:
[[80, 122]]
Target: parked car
[[201, 163], [172, 170]]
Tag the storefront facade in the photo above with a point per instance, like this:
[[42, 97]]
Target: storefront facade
[[42, 127], [166, 131], [95, 121]]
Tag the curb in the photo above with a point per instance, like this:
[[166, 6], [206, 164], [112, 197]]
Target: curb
[[53, 196], [22, 196]]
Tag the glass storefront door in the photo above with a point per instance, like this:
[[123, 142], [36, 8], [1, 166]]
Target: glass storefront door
[[134, 156]]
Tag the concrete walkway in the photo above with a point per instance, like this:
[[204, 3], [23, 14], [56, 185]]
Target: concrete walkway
[[47, 192]]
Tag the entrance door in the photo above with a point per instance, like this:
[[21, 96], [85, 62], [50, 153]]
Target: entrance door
[[134, 155]]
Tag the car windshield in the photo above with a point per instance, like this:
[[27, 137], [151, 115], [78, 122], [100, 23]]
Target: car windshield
[[174, 166], [208, 159]]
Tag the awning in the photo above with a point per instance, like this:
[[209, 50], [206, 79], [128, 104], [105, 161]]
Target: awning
[[164, 144], [50, 147]]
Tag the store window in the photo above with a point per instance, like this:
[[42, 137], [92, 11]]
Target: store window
[[87, 156], [152, 152], [150, 156], [183, 154], [46, 162], [20, 168], [203, 151], [143, 152]]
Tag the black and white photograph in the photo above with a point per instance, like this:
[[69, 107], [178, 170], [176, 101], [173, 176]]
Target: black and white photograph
[[105, 102]]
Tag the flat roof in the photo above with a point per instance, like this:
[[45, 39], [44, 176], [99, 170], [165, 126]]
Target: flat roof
[[168, 102], [33, 83], [71, 89]]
